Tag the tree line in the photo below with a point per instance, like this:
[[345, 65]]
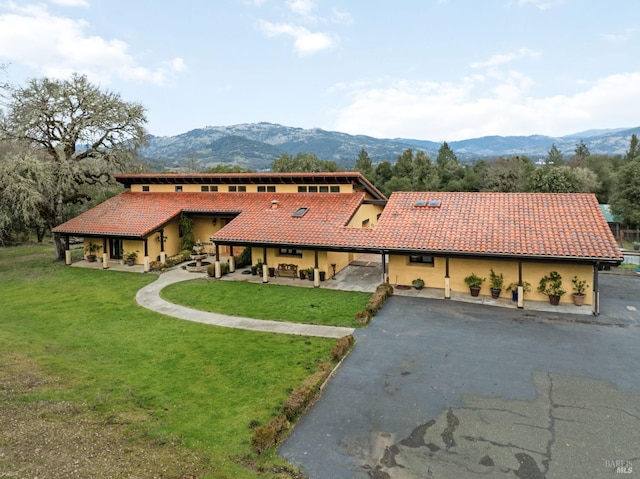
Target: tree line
[[62, 142]]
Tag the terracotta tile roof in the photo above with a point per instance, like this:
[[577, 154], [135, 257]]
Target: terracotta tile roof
[[139, 214], [563, 225]]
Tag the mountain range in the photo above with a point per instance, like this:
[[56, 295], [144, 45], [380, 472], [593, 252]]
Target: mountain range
[[257, 145]]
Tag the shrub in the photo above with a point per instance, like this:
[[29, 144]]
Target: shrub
[[280, 425], [296, 403], [243, 259], [263, 438], [211, 270], [156, 266], [342, 347], [224, 268], [363, 317], [186, 254]]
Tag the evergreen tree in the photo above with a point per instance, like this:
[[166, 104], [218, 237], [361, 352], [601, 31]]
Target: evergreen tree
[[450, 171], [404, 165], [364, 165], [554, 157], [625, 201], [633, 152]]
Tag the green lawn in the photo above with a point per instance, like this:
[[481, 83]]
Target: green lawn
[[201, 384], [270, 301]]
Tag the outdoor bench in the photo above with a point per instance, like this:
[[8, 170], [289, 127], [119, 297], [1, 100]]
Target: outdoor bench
[[290, 270]]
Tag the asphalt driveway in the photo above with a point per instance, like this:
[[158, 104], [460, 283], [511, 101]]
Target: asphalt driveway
[[445, 389]]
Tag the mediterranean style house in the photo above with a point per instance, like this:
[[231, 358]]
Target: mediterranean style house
[[326, 220]]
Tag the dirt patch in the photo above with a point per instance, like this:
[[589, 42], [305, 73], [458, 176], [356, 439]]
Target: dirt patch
[[59, 439]]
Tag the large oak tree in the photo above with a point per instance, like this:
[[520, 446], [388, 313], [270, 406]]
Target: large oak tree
[[81, 135]]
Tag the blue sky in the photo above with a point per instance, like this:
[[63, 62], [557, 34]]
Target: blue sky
[[439, 70]]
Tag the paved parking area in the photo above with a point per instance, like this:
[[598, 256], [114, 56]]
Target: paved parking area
[[447, 389]]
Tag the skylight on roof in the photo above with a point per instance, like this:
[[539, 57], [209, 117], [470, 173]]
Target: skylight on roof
[[425, 203], [300, 212]]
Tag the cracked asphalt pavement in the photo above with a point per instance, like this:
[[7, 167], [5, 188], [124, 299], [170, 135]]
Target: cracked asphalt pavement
[[455, 390]]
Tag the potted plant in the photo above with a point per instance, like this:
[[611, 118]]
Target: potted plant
[[497, 282], [579, 288], [310, 274], [513, 287], [91, 250], [475, 283], [418, 283], [551, 285], [130, 258], [303, 273]]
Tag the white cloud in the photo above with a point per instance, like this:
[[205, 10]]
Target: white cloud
[[452, 111], [502, 58], [303, 8], [542, 4], [64, 45], [305, 41], [71, 3]]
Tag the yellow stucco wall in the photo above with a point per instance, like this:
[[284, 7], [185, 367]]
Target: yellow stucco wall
[[307, 260], [402, 272], [250, 188], [365, 212]]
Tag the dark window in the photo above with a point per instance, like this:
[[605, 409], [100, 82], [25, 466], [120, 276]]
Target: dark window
[[365, 223], [178, 187], [302, 189], [313, 189], [269, 189], [324, 189], [145, 187], [290, 252], [204, 188], [262, 189], [300, 212], [213, 188], [421, 259], [335, 189], [242, 189]]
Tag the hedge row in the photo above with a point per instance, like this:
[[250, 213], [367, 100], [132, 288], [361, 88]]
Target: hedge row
[[264, 437], [378, 298]]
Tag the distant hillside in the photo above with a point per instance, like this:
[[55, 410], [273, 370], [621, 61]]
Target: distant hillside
[[256, 145]]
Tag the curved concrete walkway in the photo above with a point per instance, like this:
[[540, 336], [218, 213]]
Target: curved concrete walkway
[[149, 297]]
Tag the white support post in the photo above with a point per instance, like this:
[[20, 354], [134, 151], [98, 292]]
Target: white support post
[[520, 296], [105, 260], [218, 269], [146, 264], [447, 288], [67, 257], [316, 277], [265, 273], [232, 264], [163, 257]]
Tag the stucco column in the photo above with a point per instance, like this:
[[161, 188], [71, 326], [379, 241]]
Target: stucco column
[[146, 264], [520, 296], [316, 277], [217, 269], [447, 288], [232, 264], [105, 260], [265, 273], [163, 257], [67, 257]]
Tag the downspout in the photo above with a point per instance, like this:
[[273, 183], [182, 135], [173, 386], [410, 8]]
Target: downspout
[[385, 272], [163, 255]]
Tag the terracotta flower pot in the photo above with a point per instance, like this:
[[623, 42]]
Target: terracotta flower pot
[[578, 299], [554, 300]]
